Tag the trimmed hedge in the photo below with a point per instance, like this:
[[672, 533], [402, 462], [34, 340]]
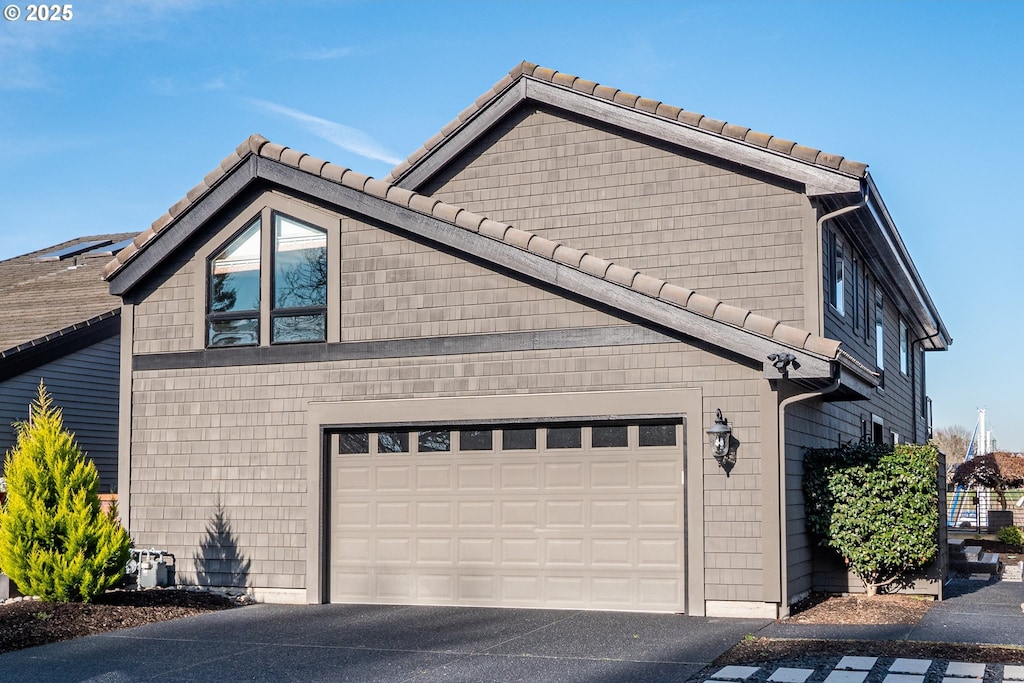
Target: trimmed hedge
[[877, 506]]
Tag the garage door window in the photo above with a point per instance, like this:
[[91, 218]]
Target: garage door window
[[393, 442], [616, 436], [434, 441], [476, 440], [519, 439], [513, 440], [657, 435], [565, 437], [353, 443]]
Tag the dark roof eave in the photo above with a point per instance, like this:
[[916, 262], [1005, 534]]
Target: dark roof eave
[[23, 357], [905, 270]]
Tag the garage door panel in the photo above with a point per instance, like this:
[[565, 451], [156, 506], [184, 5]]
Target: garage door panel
[[434, 513], [477, 513], [356, 514], [610, 475], [659, 513], [658, 474], [477, 551], [352, 478], [393, 551], [521, 551], [434, 478], [565, 513], [580, 527], [611, 513], [520, 513], [394, 514], [567, 475], [564, 552], [611, 552], [659, 552], [435, 550], [520, 476], [394, 478], [477, 477]]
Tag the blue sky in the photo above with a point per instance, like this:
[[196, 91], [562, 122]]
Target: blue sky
[[108, 119]]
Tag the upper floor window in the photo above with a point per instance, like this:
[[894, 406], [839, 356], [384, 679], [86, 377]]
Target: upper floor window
[[838, 262], [299, 313], [904, 348], [233, 311], [298, 285], [855, 291], [879, 330]]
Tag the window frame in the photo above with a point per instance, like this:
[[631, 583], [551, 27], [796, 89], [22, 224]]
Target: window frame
[[837, 284], [211, 316], [879, 329], [263, 206], [904, 348], [293, 311]]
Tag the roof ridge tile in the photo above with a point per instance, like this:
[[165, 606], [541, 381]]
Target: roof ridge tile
[[810, 155]]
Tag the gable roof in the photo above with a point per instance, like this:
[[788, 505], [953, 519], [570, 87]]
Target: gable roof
[[822, 172], [833, 180], [667, 305], [46, 295]]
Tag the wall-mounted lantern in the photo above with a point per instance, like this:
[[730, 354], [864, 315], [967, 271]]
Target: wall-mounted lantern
[[720, 438]]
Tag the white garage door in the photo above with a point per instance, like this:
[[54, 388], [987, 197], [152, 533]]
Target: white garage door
[[559, 515]]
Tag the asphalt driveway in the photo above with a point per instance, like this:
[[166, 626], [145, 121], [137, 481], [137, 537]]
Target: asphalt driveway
[[384, 643]]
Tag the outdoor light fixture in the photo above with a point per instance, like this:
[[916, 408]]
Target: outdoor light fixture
[[720, 438]]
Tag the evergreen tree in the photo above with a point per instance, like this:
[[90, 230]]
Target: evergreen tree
[[54, 540]]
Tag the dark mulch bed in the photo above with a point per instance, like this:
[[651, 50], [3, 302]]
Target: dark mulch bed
[[31, 622], [860, 609]]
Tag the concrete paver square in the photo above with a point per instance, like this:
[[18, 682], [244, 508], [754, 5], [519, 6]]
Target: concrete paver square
[[965, 670], [902, 678], [846, 677], [910, 666], [1013, 673], [735, 673], [786, 675], [857, 663]]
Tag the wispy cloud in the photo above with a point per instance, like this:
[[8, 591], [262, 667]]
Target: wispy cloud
[[325, 53], [345, 137]]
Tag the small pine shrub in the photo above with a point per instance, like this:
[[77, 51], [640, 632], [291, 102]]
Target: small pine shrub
[[1011, 535], [54, 540]]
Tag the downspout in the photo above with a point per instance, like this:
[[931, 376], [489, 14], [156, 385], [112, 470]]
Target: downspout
[[783, 531]]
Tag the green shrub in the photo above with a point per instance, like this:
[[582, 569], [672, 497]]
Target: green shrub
[[54, 540], [1011, 535], [877, 506]]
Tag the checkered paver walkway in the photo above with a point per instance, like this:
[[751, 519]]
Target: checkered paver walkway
[[870, 670]]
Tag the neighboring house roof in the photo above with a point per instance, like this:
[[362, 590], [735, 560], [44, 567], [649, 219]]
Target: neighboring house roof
[[668, 305], [56, 292], [705, 133]]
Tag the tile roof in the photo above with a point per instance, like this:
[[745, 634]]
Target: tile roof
[[43, 297], [687, 118], [581, 260]]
